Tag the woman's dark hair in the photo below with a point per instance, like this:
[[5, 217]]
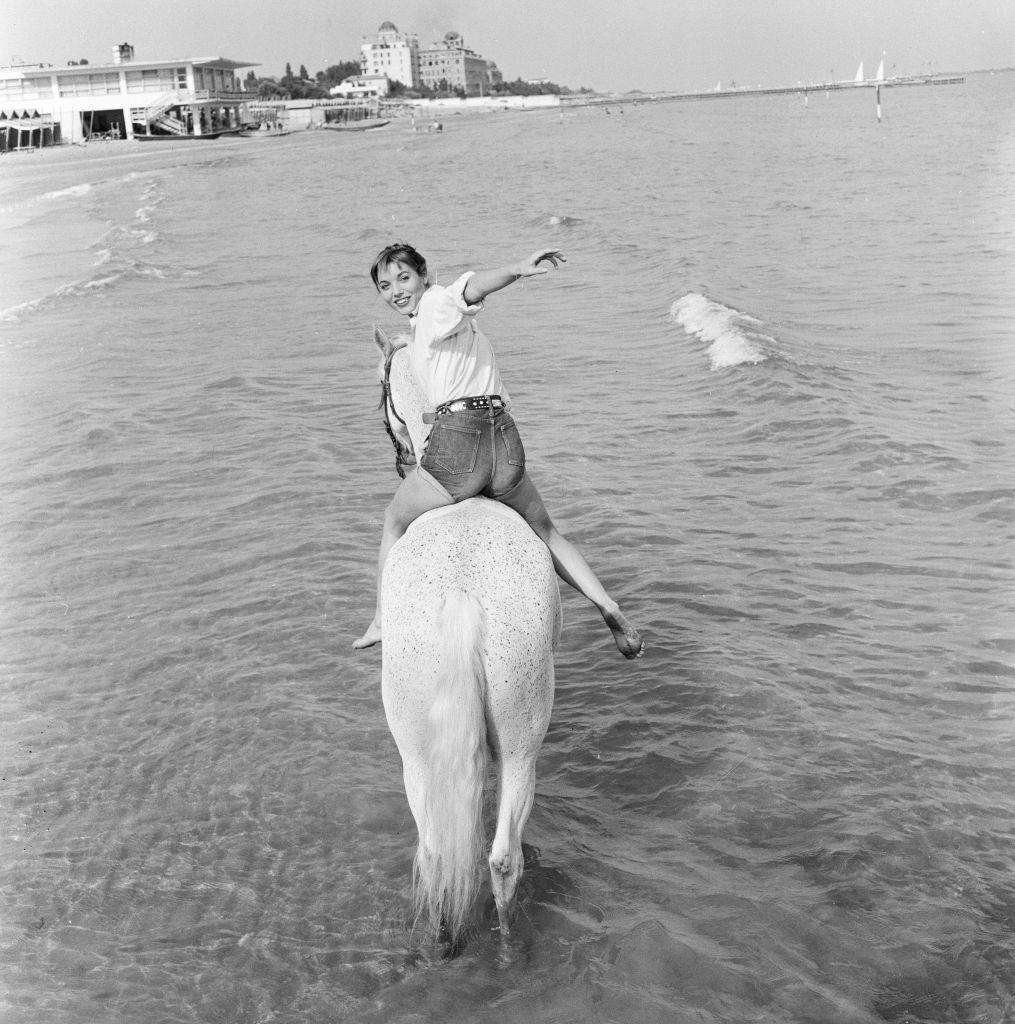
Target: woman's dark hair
[[399, 252]]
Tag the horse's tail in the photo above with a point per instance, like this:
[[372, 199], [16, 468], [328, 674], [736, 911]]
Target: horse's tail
[[451, 844]]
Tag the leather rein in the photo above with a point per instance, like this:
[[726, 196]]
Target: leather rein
[[404, 455]]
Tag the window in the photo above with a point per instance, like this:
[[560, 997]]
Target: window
[[88, 85], [19, 89], [159, 80]]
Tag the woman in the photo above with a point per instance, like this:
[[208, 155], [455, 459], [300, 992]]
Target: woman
[[474, 447]]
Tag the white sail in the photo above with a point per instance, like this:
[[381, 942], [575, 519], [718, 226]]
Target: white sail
[[881, 71], [859, 74]]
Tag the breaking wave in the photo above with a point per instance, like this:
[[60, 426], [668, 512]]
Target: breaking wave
[[733, 337]]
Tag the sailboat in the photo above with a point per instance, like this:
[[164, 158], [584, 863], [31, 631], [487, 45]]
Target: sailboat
[[858, 80]]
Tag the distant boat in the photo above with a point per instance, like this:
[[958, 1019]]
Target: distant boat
[[858, 80], [355, 126], [880, 76]]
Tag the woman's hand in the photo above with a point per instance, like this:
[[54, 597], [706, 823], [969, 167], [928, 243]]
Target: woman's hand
[[530, 267]]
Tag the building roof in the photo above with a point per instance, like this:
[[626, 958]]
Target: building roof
[[35, 70], [388, 26]]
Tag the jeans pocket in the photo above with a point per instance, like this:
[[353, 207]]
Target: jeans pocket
[[513, 444], [452, 449]]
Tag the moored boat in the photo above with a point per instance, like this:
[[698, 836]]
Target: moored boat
[[172, 137], [364, 125], [263, 133]]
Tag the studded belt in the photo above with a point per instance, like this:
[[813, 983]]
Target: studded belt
[[467, 404]]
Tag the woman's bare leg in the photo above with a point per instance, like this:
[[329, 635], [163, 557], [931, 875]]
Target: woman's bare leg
[[415, 495], [571, 566]]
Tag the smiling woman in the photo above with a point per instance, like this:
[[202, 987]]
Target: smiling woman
[[400, 275]]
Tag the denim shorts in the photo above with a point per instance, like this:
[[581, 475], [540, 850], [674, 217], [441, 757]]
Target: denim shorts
[[477, 451]]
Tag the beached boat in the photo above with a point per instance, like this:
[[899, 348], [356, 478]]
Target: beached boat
[[171, 137], [367, 124], [263, 133]]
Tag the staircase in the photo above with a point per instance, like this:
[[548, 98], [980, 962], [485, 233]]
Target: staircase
[[155, 116], [170, 125]]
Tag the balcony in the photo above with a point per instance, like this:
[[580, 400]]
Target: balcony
[[232, 95]]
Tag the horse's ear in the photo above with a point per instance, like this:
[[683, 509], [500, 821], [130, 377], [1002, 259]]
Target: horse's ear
[[382, 341]]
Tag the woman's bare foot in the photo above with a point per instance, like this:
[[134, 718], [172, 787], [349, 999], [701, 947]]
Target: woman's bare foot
[[369, 638], [625, 636]]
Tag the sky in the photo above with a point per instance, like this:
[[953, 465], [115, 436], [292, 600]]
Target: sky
[[605, 45]]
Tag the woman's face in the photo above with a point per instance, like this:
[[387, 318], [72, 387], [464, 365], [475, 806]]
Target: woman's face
[[401, 287]]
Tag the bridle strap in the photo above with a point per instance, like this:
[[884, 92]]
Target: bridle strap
[[403, 456]]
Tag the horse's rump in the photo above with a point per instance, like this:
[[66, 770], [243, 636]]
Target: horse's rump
[[478, 547]]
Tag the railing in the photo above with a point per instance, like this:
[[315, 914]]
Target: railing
[[223, 94], [160, 106]]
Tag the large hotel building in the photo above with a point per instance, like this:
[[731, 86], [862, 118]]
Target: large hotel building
[[445, 65]]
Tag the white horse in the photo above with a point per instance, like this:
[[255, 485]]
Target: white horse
[[470, 619]]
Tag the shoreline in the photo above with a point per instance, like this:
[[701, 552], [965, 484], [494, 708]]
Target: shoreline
[[95, 151]]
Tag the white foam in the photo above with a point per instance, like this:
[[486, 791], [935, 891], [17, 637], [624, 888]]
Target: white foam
[[42, 197], [14, 313], [731, 334], [74, 190], [17, 312]]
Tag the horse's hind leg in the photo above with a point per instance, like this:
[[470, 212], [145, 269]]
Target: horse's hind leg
[[517, 789]]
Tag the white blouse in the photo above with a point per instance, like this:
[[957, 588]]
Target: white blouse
[[450, 354]]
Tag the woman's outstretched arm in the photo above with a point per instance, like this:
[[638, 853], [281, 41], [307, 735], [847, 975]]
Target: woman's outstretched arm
[[484, 282]]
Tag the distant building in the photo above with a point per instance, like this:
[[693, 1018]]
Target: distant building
[[450, 65], [121, 99], [362, 86], [392, 54], [447, 65]]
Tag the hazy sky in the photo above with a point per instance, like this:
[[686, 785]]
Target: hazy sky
[[602, 44]]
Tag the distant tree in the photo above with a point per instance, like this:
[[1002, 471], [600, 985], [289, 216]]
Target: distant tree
[[522, 88], [268, 88], [302, 87], [338, 73]]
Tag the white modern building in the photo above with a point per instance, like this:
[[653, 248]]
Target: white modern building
[[391, 53], [122, 99], [366, 86]]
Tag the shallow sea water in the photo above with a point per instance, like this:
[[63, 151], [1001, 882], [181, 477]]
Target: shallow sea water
[[769, 396]]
